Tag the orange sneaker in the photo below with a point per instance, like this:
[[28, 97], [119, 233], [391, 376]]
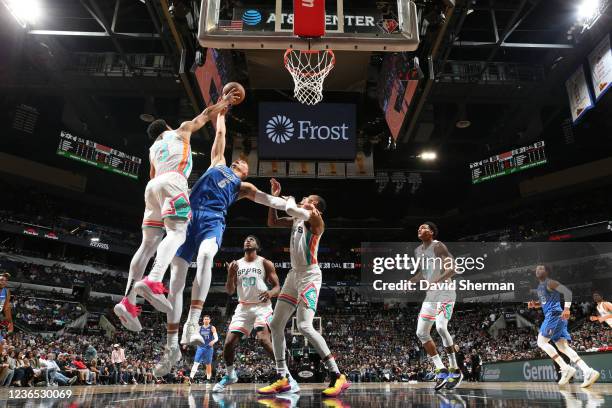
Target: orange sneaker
[[278, 386], [336, 386]]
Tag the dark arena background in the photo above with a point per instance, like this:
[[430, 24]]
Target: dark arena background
[[477, 133]]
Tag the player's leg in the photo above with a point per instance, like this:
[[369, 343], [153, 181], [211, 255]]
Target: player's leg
[[172, 352], [151, 287], [201, 285], [426, 320], [234, 335], [589, 374], [567, 371], [152, 234], [443, 316], [264, 338], [284, 309]]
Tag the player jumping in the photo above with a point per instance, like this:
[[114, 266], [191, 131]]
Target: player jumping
[[251, 276], [554, 327], [603, 308], [438, 305], [166, 207], [301, 290], [211, 196], [204, 353]]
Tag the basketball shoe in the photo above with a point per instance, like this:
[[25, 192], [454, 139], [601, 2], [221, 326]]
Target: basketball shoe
[[337, 385]]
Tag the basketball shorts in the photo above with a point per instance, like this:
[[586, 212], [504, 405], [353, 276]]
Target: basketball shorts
[[166, 196], [203, 225], [554, 327], [441, 307], [204, 355], [251, 316], [302, 284]]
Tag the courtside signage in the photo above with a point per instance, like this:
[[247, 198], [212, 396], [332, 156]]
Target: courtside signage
[[295, 131]]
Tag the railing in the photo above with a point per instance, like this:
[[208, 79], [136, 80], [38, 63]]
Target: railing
[[488, 73], [111, 64]]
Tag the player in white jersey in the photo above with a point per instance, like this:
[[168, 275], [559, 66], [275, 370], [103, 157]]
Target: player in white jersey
[[301, 290], [604, 309], [166, 208], [251, 276], [436, 267]]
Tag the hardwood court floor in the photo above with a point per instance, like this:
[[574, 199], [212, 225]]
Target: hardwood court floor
[[386, 395]]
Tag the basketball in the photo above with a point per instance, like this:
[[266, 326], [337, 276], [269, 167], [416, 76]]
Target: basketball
[[234, 85]]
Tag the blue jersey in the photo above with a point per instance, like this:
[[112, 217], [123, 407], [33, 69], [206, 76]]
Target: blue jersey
[[207, 335], [549, 299], [215, 191]]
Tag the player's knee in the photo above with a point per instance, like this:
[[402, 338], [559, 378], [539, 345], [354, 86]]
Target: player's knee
[[542, 341], [305, 327], [423, 334]]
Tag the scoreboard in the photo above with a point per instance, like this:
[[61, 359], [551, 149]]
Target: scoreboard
[[100, 156], [509, 162]]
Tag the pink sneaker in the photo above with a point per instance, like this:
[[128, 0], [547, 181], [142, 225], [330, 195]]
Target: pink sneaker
[[128, 315], [153, 292]]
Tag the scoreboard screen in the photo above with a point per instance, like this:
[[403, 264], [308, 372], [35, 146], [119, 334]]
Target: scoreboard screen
[[509, 162], [100, 156]]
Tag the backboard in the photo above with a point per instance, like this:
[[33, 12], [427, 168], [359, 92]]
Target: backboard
[[351, 25]]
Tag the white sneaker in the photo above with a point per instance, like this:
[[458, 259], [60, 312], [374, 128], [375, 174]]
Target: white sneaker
[[589, 378], [191, 334], [225, 381], [169, 358], [566, 375]]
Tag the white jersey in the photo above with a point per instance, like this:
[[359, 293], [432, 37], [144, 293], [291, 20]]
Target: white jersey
[[251, 280], [602, 312], [432, 267], [304, 245], [171, 153]]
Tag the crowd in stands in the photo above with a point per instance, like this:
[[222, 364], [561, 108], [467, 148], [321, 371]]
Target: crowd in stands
[[370, 342], [42, 312]]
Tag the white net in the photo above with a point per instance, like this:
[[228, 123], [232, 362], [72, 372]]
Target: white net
[[309, 69]]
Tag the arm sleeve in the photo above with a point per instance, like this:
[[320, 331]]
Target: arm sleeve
[[567, 294], [270, 201], [293, 210]]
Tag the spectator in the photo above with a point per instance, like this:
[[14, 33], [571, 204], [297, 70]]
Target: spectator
[[117, 358]]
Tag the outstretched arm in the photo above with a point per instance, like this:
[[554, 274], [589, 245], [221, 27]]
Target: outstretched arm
[[249, 191], [217, 153], [191, 126]]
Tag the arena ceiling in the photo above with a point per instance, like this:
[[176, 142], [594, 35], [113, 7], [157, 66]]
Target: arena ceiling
[[113, 60]]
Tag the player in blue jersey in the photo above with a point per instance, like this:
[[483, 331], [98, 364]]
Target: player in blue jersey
[[6, 314], [554, 327], [218, 188], [204, 354]]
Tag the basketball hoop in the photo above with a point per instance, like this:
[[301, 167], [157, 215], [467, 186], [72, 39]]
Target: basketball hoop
[[309, 69]]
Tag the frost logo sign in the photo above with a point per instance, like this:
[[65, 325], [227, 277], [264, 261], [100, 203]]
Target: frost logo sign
[[295, 131], [279, 129]]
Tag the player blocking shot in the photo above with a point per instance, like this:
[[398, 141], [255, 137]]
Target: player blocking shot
[[211, 196], [438, 305], [167, 208], [204, 353], [250, 276], [554, 327], [300, 291]]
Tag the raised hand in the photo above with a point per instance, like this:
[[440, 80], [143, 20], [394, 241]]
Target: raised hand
[[276, 187]]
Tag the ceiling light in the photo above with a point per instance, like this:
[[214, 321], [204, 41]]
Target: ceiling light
[[588, 8], [24, 11], [428, 156]]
